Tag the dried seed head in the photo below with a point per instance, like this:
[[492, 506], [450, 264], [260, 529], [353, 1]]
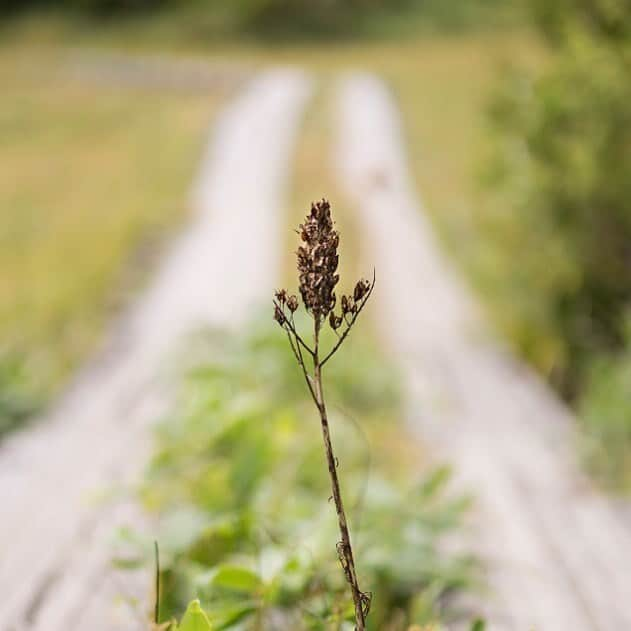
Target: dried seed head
[[361, 289], [292, 303], [281, 296], [279, 316], [335, 321], [318, 260], [348, 305]]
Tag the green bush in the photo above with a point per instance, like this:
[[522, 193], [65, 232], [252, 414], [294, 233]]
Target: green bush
[[565, 153], [559, 19], [562, 270], [240, 484], [606, 414], [21, 395], [196, 619], [286, 19]]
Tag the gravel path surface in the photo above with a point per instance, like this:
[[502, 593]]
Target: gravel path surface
[[55, 572], [559, 559]]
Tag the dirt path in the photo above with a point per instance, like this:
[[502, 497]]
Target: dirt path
[[558, 557], [55, 573]]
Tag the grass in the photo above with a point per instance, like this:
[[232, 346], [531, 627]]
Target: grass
[[93, 176]]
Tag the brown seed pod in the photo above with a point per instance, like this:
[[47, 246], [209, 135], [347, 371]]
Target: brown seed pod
[[348, 305], [318, 260], [361, 289], [335, 321], [345, 307], [292, 303], [281, 296], [279, 316]]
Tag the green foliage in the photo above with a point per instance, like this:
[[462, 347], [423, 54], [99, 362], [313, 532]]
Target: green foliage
[[606, 415], [353, 17], [195, 619], [564, 158], [240, 481], [564, 215], [20, 396], [558, 20], [285, 18]]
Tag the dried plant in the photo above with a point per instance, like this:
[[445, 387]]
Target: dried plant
[[317, 275]]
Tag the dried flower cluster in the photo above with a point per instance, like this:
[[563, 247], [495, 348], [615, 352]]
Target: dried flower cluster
[[317, 275], [282, 301], [318, 260]]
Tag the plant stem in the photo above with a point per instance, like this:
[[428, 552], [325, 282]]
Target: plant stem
[[156, 611], [344, 547]]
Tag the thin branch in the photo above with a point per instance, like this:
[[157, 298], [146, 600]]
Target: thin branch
[[300, 358], [309, 384], [350, 325], [293, 348], [292, 327], [344, 547], [156, 612], [317, 263], [361, 495]]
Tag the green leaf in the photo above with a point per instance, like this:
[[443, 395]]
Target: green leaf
[[436, 481], [238, 579], [478, 625], [226, 616], [194, 619]]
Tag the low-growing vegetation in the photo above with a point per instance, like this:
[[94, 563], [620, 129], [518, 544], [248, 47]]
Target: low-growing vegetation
[[239, 482]]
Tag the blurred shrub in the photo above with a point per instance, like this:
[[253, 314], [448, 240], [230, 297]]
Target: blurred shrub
[[362, 16], [97, 6], [290, 18], [20, 394], [242, 486], [194, 619], [564, 215], [606, 413], [564, 159], [557, 19]]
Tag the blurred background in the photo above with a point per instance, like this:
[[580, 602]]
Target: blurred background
[[517, 126]]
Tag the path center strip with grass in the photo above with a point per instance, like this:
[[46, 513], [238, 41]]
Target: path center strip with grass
[[55, 572], [557, 554]]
